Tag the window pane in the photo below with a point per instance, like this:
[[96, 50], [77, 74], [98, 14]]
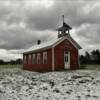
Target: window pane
[[38, 58], [44, 57], [29, 59], [24, 60], [33, 59], [66, 58]]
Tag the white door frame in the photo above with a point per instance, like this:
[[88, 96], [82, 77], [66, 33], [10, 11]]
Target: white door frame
[[66, 60]]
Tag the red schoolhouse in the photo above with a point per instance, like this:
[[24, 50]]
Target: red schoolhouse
[[58, 54]]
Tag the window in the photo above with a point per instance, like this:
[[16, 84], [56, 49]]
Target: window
[[29, 59], [66, 58], [33, 59], [38, 58], [25, 59], [44, 57]]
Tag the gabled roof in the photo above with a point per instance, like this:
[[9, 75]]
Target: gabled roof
[[64, 27], [52, 43], [42, 46]]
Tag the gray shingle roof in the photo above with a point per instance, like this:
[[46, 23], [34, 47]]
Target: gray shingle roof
[[47, 45]]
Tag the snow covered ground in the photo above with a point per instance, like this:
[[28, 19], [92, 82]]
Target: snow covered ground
[[17, 84]]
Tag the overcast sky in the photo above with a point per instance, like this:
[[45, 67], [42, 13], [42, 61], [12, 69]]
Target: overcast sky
[[23, 22]]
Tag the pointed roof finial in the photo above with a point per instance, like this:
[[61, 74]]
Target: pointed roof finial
[[63, 18]]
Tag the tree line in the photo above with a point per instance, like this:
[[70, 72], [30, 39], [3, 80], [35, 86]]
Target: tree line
[[90, 58], [11, 62]]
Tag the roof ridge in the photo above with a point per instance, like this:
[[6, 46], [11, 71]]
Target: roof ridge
[[52, 43]]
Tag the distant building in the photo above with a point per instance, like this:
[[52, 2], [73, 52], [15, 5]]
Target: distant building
[[59, 54]]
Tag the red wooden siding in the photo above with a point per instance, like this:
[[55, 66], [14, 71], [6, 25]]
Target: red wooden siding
[[59, 55], [58, 58], [41, 67]]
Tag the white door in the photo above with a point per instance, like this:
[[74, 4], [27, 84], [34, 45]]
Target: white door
[[67, 60]]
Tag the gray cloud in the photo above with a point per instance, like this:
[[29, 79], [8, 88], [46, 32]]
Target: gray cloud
[[90, 33], [22, 22]]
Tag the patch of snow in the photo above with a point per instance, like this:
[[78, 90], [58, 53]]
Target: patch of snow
[[17, 84], [43, 45]]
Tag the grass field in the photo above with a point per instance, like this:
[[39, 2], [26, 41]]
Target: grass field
[[93, 67], [10, 66], [18, 84]]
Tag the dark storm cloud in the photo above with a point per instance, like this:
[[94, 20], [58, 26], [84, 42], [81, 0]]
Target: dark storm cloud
[[76, 13], [39, 21], [19, 38], [22, 22], [90, 32]]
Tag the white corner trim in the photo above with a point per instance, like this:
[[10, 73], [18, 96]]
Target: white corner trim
[[53, 59]]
